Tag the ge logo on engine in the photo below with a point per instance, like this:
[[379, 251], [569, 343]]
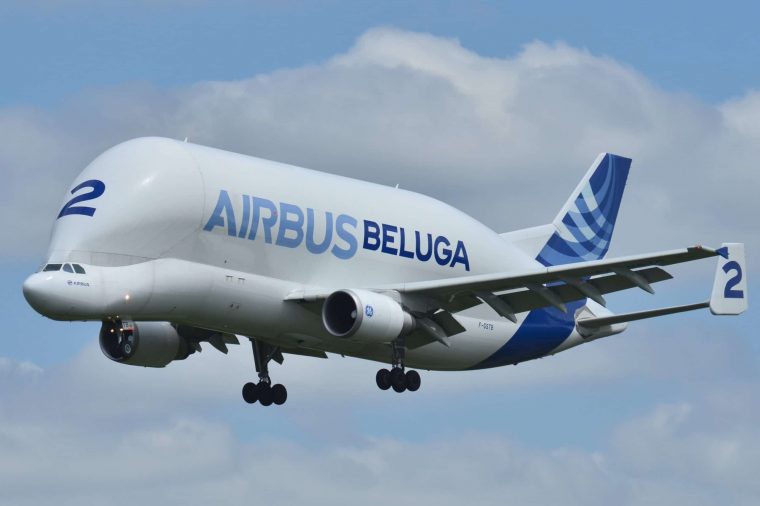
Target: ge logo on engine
[[369, 311]]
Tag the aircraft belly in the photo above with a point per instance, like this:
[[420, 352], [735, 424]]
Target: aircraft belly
[[245, 304], [481, 340], [542, 332]]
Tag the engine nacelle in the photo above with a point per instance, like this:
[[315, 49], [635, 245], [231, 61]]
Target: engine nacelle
[[363, 315], [147, 344]]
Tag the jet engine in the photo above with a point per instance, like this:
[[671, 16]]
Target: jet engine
[[147, 344], [363, 315]]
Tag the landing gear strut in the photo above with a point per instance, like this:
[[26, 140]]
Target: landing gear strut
[[264, 391], [398, 378]]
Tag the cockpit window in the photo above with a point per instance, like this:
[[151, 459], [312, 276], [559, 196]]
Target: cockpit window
[[67, 268], [52, 267], [78, 269]]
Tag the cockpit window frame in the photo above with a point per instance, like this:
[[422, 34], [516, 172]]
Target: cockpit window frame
[[52, 267], [68, 268], [78, 269]]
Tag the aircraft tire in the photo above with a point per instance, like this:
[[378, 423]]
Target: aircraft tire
[[279, 394], [398, 379], [383, 379], [265, 394], [250, 394], [413, 381]]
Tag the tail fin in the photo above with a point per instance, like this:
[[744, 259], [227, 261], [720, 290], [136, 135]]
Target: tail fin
[[583, 228]]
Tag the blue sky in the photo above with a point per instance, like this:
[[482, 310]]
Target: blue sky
[[57, 49], [485, 102]]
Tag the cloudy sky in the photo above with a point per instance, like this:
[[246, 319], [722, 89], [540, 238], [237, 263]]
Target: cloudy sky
[[495, 109]]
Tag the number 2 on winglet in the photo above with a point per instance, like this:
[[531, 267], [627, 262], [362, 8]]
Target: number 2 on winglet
[[730, 292]]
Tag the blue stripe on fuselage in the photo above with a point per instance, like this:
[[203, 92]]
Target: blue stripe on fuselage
[[543, 330]]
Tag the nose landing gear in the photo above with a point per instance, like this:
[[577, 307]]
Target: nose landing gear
[[263, 391]]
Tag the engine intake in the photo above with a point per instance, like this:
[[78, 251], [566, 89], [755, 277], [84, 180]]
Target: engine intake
[[146, 344], [363, 315]]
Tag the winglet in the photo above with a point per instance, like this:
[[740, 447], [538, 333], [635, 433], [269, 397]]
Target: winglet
[[729, 293]]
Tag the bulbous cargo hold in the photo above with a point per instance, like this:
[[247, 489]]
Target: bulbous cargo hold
[[152, 198], [138, 201]]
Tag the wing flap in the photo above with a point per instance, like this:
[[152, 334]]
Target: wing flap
[[525, 300]]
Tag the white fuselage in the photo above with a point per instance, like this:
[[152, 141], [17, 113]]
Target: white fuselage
[[203, 237]]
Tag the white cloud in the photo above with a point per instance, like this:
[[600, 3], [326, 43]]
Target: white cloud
[[672, 441], [741, 114], [659, 458], [425, 112], [19, 370]]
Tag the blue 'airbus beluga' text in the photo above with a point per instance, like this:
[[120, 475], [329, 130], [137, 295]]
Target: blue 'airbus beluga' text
[[290, 226]]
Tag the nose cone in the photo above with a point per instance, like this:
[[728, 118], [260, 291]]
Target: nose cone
[[64, 296], [34, 291], [49, 294]]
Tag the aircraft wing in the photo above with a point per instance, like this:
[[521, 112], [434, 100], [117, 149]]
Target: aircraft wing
[[511, 293], [432, 303], [554, 285]]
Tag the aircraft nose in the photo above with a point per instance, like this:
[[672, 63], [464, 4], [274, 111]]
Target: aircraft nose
[[34, 290], [56, 295]]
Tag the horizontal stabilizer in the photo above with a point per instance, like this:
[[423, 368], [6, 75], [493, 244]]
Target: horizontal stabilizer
[[603, 321]]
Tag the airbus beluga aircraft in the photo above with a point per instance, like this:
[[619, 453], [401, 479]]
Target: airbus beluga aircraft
[[171, 244]]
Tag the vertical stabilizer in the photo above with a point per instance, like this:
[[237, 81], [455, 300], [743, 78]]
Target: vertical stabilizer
[[582, 230]]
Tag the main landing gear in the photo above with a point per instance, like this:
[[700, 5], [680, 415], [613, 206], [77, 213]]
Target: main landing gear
[[264, 391], [398, 378]]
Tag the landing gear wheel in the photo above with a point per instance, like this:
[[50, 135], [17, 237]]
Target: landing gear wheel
[[398, 379], [413, 380], [383, 379], [126, 349], [265, 394], [279, 394], [250, 394]]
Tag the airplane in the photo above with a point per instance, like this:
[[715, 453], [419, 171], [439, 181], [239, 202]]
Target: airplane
[[171, 244]]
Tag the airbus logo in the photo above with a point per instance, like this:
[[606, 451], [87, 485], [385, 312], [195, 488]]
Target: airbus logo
[[290, 226]]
